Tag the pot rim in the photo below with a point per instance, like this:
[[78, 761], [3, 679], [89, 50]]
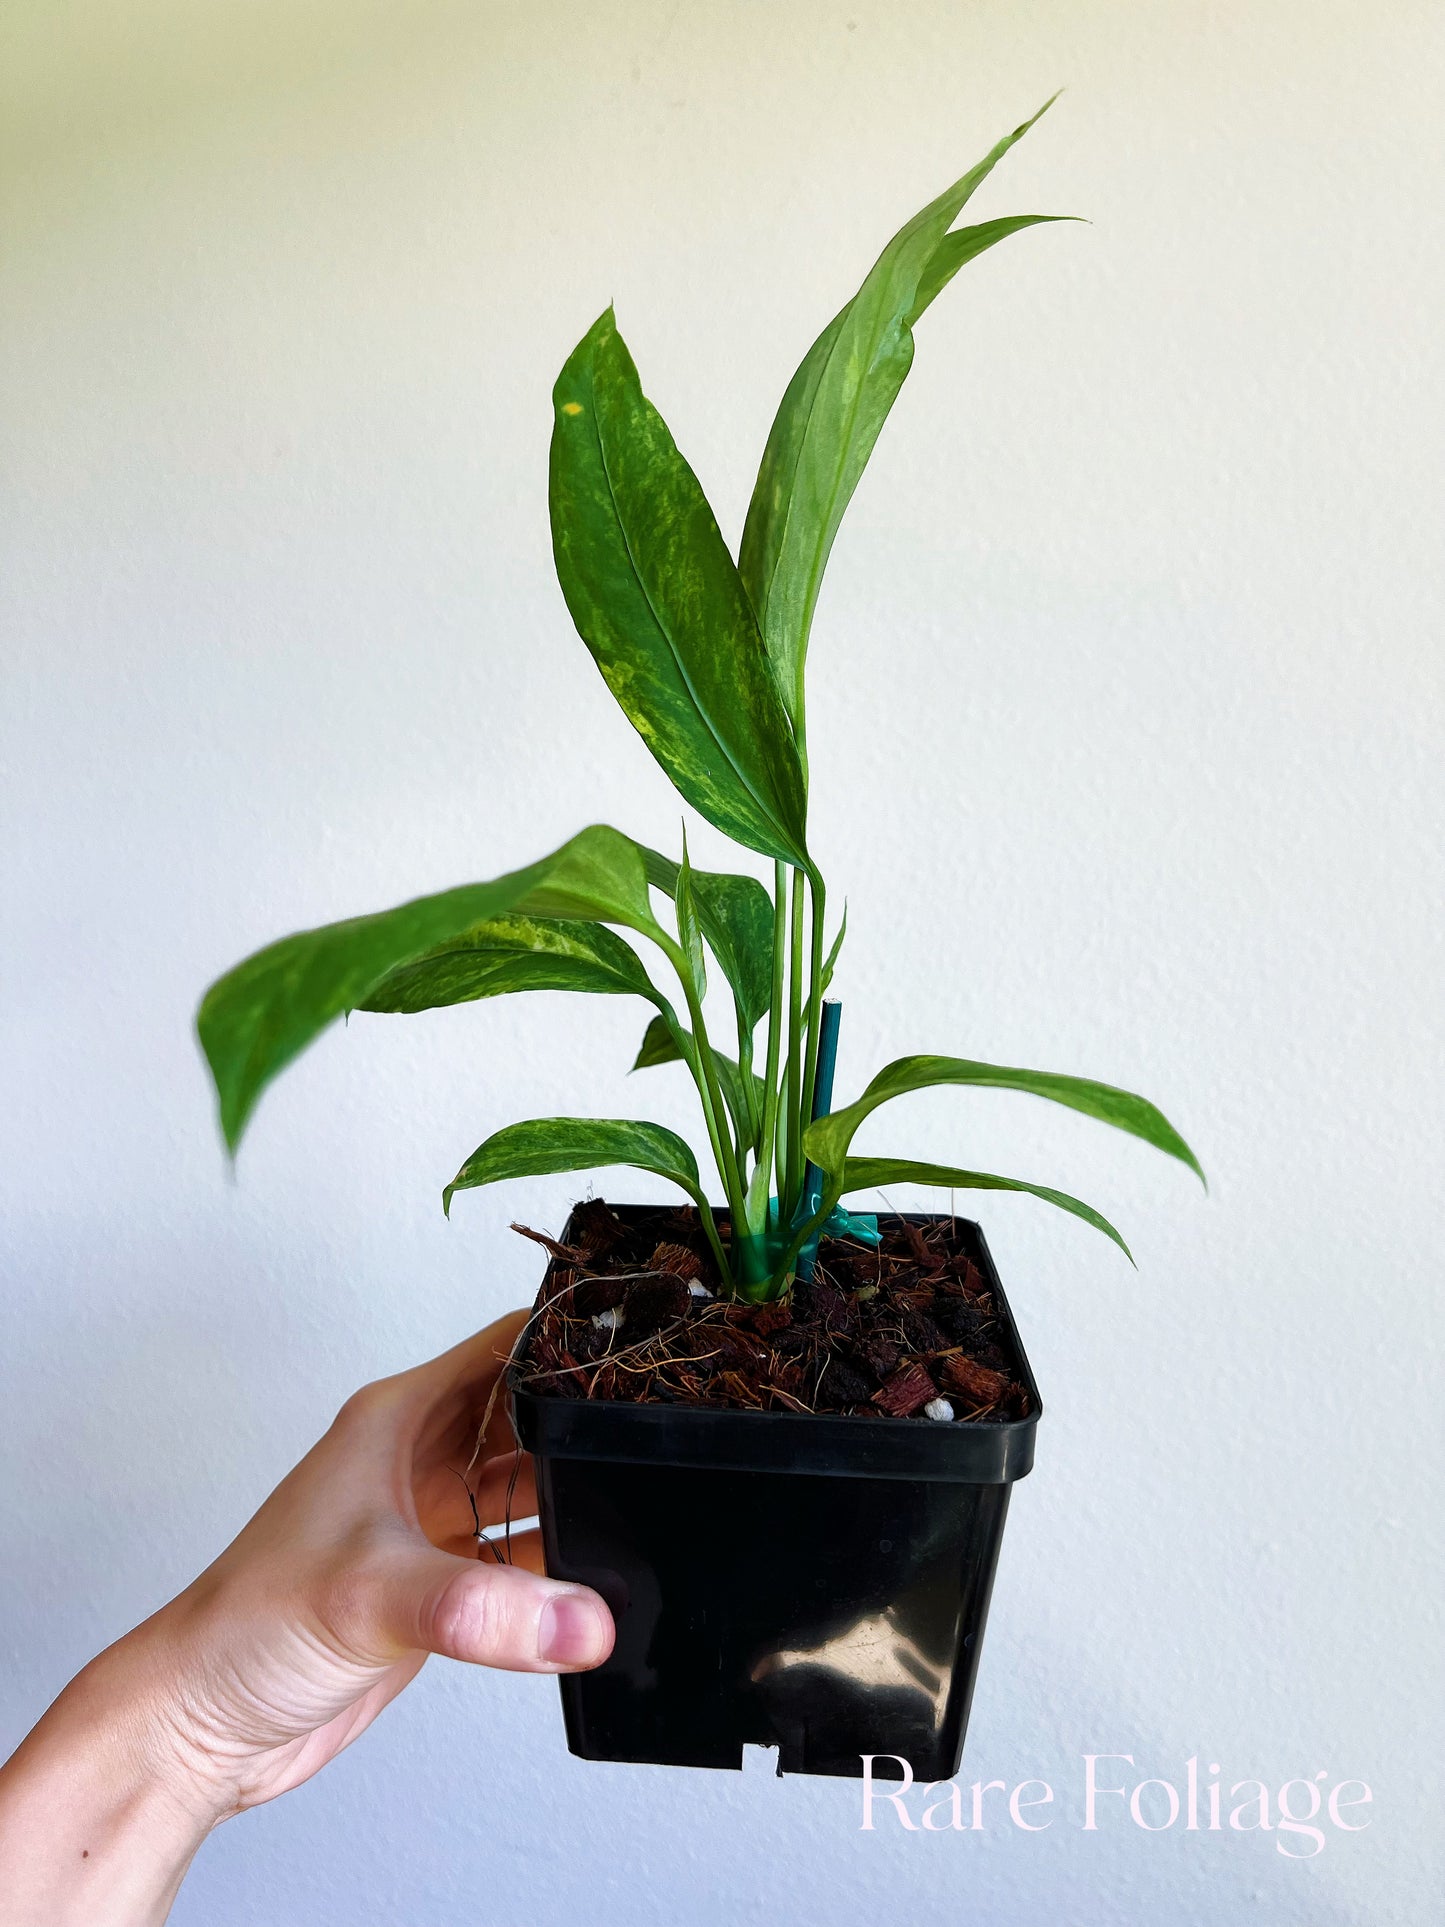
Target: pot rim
[[967, 1451]]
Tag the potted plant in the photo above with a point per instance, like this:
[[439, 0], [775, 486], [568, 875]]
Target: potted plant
[[777, 1437]]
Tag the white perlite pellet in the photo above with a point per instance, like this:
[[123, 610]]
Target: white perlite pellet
[[938, 1408], [698, 1290], [608, 1321]]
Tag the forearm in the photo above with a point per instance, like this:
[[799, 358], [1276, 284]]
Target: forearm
[[93, 1829]]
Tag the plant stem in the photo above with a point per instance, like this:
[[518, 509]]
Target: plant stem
[[805, 1231], [815, 1000], [750, 1096], [727, 1164], [762, 1176], [796, 1120], [709, 1225], [704, 1074]]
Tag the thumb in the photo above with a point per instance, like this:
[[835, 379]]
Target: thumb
[[490, 1615]]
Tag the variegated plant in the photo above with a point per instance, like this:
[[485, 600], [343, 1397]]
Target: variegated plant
[[706, 656]]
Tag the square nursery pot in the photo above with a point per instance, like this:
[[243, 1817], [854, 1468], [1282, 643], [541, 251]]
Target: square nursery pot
[[817, 1584]]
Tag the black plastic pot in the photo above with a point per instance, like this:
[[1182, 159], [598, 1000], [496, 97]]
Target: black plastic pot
[[814, 1584]]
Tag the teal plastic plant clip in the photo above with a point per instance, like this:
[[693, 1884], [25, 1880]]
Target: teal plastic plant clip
[[861, 1226]]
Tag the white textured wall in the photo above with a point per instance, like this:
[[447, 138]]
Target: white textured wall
[[1127, 708]]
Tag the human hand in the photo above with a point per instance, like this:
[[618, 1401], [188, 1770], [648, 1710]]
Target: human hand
[[361, 1563]]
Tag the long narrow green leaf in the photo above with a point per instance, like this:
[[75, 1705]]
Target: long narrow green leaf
[[832, 412], [507, 954], [965, 244], [543, 1145], [253, 1021], [656, 598], [868, 1174], [828, 1140], [689, 930], [736, 914], [669, 1043], [830, 963]]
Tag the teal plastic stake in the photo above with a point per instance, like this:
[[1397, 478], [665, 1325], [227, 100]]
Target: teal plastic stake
[[822, 1104]]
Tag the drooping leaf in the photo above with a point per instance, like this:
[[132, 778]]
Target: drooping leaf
[[265, 1011], [868, 1174], [506, 954], [658, 601], [543, 1145], [831, 414], [827, 1140], [662, 1045], [831, 962], [736, 914]]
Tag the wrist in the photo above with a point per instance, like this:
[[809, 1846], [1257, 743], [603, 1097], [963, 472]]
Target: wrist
[[99, 1816]]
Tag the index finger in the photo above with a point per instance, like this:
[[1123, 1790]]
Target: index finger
[[459, 1403]]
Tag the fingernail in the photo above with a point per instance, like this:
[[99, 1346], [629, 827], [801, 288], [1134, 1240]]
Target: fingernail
[[571, 1632]]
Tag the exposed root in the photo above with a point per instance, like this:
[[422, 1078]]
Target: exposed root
[[479, 1533]]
